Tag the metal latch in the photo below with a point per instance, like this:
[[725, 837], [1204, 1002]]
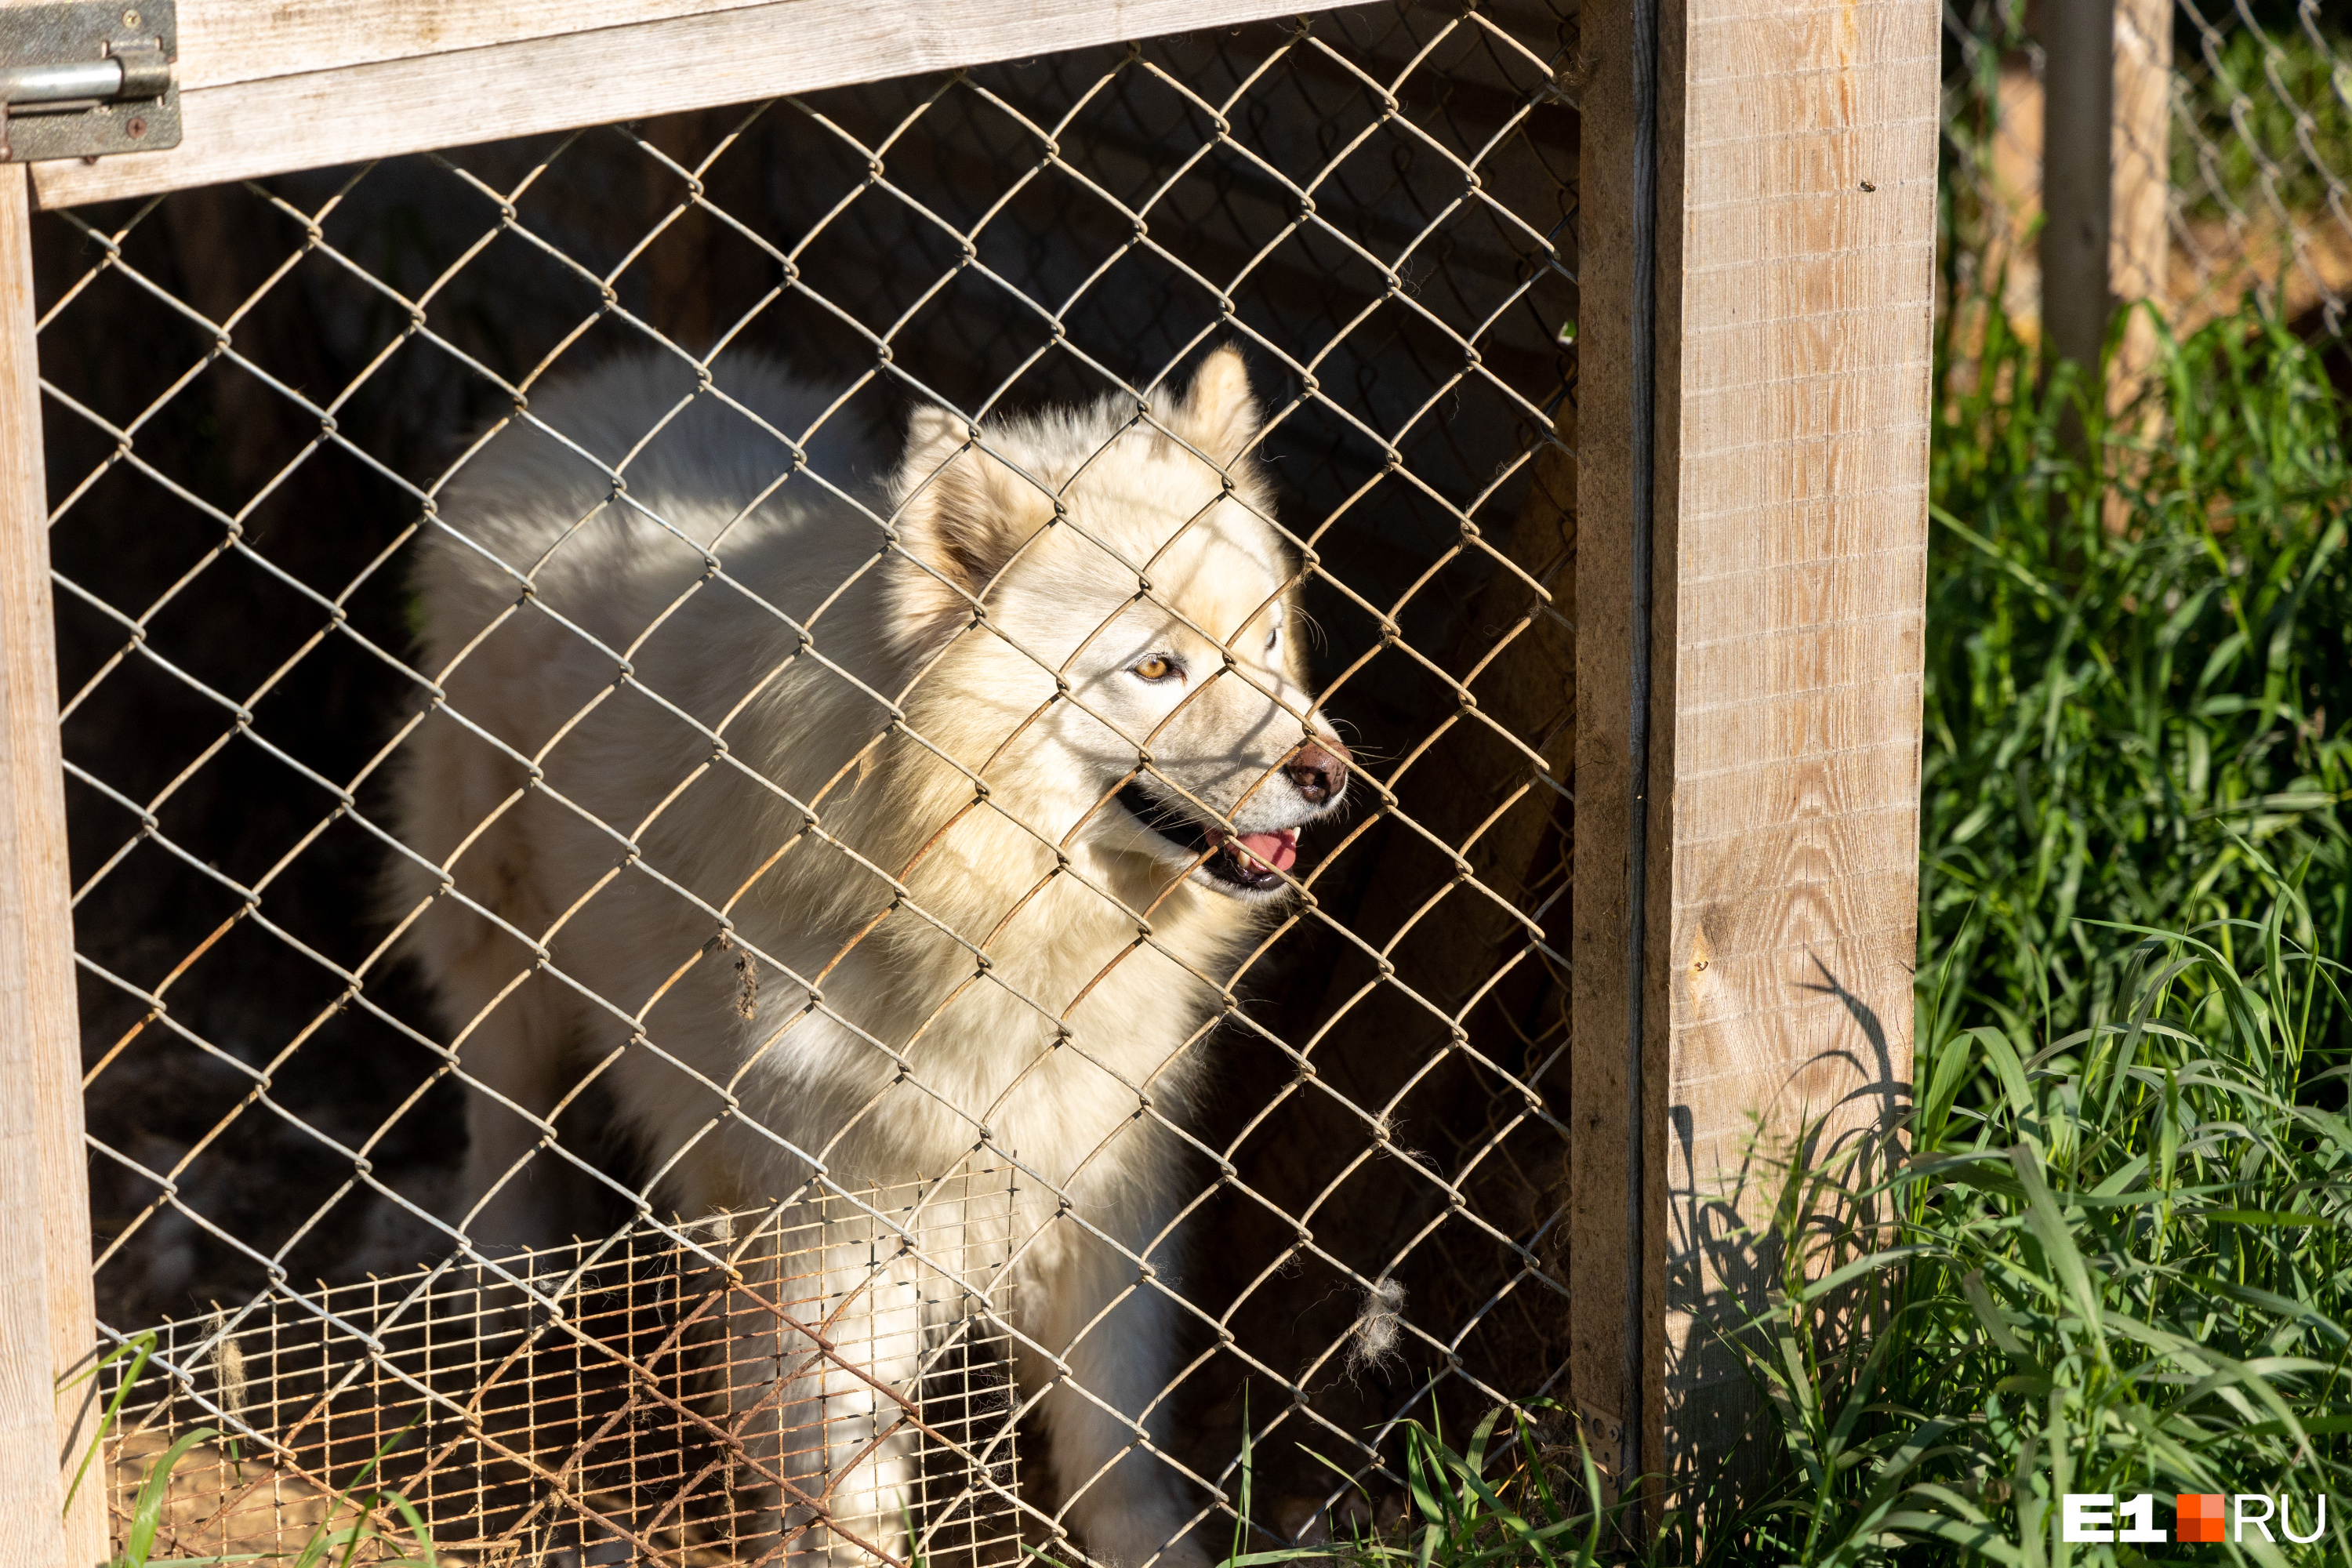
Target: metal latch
[[82, 79]]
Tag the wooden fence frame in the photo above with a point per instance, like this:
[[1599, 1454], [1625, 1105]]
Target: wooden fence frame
[[1757, 229]]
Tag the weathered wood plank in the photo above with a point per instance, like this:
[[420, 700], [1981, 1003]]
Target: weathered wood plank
[[661, 65], [1770, 964], [1791, 517], [45, 1285], [224, 42]]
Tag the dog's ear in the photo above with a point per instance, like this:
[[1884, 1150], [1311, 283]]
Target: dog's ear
[[961, 512], [1219, 415]]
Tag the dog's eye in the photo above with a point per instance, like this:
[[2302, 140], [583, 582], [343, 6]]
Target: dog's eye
[[1159, 667]]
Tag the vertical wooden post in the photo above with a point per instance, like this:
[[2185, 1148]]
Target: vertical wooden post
[[1614, 1335], [2078, 40], [46, 1327], [2140, 239], [1747, 847]]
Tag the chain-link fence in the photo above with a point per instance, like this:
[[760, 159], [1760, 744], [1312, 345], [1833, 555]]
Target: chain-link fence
[[759, 663], [2229, 157]]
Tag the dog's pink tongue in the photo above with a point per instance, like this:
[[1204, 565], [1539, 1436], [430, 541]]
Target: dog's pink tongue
[[1278, 850]]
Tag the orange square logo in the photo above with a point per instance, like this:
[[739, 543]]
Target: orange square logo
[[2197, 1516]]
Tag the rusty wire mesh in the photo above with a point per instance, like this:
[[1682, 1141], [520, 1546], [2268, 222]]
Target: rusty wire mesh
[[562, 1401], [264, 407], [2233, 148]]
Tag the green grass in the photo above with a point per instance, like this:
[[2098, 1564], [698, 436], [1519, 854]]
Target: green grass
[[2113, 1252], [335, 1542], [2114, 1256], [2147, 726], [350, 1518], [1507, 1499], [2125, 1269]]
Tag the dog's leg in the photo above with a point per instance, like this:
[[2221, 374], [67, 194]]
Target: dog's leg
[[1128, 1504], [510, 1038], [514, 1058], [822, 1371]]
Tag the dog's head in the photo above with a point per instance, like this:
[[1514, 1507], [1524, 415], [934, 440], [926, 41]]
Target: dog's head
[[1097, 615]]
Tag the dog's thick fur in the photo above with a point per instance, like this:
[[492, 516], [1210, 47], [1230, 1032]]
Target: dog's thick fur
[[1008, 988]]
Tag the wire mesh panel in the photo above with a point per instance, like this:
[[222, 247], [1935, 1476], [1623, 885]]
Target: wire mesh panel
[[571, 1400], [2233, 147], [727, 664]]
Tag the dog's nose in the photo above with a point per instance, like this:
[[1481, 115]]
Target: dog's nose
[[1320, 769]]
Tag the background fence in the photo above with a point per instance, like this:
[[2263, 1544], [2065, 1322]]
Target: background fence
[[2225, 171]]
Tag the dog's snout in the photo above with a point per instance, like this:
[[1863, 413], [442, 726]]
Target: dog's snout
[[1320, 769]]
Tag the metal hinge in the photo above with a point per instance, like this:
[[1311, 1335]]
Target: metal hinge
[[83, 79]]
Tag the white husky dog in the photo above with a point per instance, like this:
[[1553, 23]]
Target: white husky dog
[[991, 773]]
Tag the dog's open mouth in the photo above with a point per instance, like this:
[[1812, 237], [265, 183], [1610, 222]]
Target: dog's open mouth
[[1250, 862]]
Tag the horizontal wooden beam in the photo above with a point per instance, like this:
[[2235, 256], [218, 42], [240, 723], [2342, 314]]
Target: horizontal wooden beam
[[269, 88], [228, 43]]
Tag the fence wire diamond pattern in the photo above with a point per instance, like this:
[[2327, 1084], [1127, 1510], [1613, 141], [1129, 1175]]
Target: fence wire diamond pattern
[[267, 406]]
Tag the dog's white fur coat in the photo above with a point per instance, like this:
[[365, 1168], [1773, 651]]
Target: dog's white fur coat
[[916, 1046]]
